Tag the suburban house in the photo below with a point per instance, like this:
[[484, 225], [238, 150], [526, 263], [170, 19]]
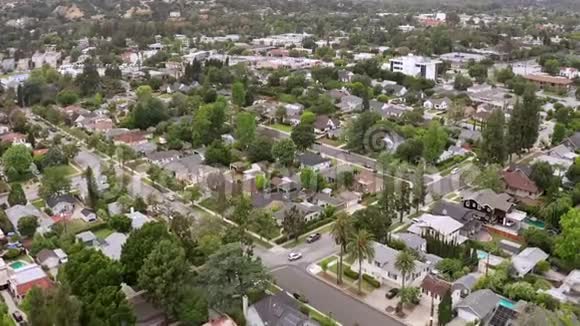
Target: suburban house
[[163, 157], [324, 124], [277, 309], [190, 169], [14, 138], [87, 238], [145, 312], [368, 182], [61, 205], [569, 290], [51, 259], [411, 241], [452, 152], [16, 212], [138, 219], [23, 279], [573, 142], [444, 227], [325, 200], [518, 184], [308, 210], [478, 306], [469, 218], [462, 287], [333, 173], [112, 245], [435, 288], [437, 103], [350, 103], [525, 261], [383, 269], [495, 206], [313, 161], [88, 215]]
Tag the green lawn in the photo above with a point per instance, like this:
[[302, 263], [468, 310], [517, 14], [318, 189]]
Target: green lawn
[[282, 127], [4, 187], [67, 170], [332, 142], [103, 233], [39, 203]]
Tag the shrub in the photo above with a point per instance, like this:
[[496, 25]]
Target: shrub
[[350, 273], [543, 267], [376, 284], [304, 309], [11, 253], [324, 265]]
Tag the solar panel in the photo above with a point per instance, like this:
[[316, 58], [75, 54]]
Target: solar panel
[[503, 316]]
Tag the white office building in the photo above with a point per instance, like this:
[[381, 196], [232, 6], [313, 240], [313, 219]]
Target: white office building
[[416, 66]]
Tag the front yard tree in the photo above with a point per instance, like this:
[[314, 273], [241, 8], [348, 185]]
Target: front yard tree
[[568, 242], [231, 274], [17, 160], [357, 132], [283, 151], [360, 247], [405, 263], [245, 128], [239, 94], [27, 226], [341, 232], [524, 124], [164, 272], [434, 142], [17, 195], [403, 199], [303, 136], [260, 149], [138, 247], [493, 143], [445, 310], [54, 182], [293, 223]]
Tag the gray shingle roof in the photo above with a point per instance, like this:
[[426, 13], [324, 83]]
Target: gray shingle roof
[[525, 261], [481, 303], [281, 310], [411, 240]]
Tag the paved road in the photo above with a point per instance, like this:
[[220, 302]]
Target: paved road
[[311, 252], [329, 300], [9, 301]]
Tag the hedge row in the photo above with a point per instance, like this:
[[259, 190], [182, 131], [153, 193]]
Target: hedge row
[[371, 280], [350, 273]]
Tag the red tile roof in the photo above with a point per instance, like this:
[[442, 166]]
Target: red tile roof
[[130, 137], [11, 137], [43, 283], [549, 79], [518, 180], [435, 286]]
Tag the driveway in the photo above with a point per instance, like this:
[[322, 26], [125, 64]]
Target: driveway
[[329, 300], [9, 301]]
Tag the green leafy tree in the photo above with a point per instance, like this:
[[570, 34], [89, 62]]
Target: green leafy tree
[[303, 136], [208, 122], [357, 132], [373, 220], [478, 71], [307, 118], [120, 223], [238, 94], [405, 263], [504, 75], [138, 247], [403, 199], [293, 223], [445, 309], [245, 128], [410, 295], [163, 273], [232, 274], [54, 182], [17, 195], [54, 157], [523, 126], [543, 175], [360, 246], [218, 153], [552, 66], [27, 226], [493, 143], [149, 112], [568, 242], [489, 178], [434, 142], [18, 159], [89, 81], [52, 307], [67, 97], [419, 188], [341, 232], [462, 83], [283, 151], [260, 149]]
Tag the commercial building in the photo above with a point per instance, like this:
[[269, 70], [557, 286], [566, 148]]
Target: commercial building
[[416, 66]]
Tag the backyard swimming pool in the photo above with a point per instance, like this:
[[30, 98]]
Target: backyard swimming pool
[[507, 303], [17, 264], [482, 254]]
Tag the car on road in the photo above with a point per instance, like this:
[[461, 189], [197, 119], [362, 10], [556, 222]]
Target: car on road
[[313, 237], [171, 197], [294, 256], [392, 293], [18, 316], [300, 297], [455, 171]]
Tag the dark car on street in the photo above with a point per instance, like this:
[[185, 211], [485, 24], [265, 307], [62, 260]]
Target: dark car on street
[[392, 293], [313, 237]]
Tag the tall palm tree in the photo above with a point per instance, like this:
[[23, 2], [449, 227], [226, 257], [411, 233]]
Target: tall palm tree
[[341, 232], [405, 263], [360, 246]]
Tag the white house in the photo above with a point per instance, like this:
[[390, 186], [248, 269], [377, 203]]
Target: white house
[[444, 226], [525, 261], [416, 66], [477, 306], [438, 104], [138, 219], [314, 161], [382, 267]]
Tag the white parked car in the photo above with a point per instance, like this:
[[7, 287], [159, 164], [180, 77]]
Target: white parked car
[[294, 256], [455, 171]]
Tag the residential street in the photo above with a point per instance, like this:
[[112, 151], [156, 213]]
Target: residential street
[[347, 310]]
